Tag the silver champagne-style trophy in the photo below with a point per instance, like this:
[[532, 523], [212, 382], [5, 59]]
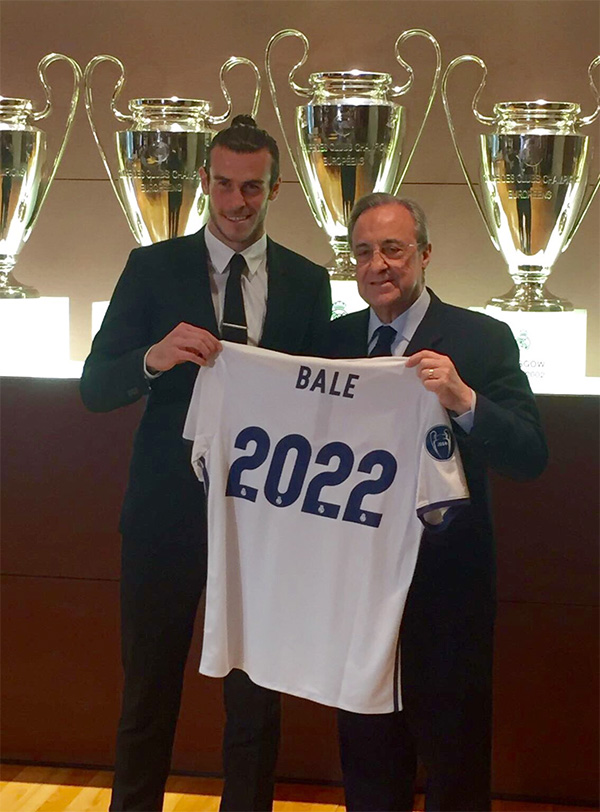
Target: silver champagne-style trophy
[[349, 138], [26, 172], [533, 168], [159, 155]]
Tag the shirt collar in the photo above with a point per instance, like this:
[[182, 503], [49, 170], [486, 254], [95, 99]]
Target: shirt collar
[[220, 254], [406, 323]]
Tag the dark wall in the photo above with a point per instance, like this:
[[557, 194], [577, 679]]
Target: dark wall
[[63, 473]]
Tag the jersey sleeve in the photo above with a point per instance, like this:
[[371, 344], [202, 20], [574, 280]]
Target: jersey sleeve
[[441, 485], [204, 415]]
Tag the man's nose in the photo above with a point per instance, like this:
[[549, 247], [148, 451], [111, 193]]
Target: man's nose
[[237, 197], [378, 261]]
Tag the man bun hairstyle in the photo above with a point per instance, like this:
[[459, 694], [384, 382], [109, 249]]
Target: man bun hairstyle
[[244, 136], [243, 120]]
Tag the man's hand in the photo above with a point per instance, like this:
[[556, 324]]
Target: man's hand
[[184, 343], [439, 375]]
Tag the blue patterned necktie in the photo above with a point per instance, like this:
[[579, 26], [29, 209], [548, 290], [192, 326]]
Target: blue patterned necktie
[[385, 338]]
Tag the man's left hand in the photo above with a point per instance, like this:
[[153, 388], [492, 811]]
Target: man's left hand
[[439, 375]]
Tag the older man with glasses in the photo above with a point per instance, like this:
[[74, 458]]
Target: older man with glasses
[[471, 362]]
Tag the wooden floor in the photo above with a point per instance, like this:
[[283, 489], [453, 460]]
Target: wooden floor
[[53, 789]]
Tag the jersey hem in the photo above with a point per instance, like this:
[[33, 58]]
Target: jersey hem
[[389, 707]]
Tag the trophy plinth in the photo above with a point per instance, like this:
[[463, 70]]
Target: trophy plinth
[[527, 294], [534, 171], [160, 154], [349, 139], [342, 268], [11, 288], [26, 173]]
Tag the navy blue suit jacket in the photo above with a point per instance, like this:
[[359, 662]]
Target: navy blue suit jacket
[[450, 607]]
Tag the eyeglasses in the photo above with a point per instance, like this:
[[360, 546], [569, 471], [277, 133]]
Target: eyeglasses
[[398, 251]]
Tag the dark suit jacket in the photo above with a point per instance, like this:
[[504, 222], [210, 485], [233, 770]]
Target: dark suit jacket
[[450, 607], [161, 286]]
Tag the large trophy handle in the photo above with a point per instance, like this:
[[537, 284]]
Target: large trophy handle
[[480, 117], [49, 176], [398, 91], [287, 32], [587, 120], [301, 91], [225, 68], [595, 92], [89, 108]]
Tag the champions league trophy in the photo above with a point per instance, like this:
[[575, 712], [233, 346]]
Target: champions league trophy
[[349, 139], [26, 172], [534, 168], [160, 154]]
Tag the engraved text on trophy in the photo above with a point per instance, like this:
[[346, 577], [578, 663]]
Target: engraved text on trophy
[[347, 151], [159, 180], [535, 184], [22, 155]]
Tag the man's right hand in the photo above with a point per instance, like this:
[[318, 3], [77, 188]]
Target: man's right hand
[[184, 343]]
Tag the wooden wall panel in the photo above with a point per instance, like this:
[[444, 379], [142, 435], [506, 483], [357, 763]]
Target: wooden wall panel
[[546, 701], [63, 472], [547, 530], [60, 674]]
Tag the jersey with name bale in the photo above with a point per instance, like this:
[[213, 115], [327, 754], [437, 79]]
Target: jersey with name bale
[[320, 475]]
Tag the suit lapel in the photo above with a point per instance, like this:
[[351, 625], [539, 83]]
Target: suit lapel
[[430, 333], [191, 269], [279, 311], [358, 344]]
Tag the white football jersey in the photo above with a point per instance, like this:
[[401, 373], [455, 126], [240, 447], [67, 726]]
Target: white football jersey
[[318, 474]]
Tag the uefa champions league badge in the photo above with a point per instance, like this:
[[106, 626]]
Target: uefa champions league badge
[[439, 442]]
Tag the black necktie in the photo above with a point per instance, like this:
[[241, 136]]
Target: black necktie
[[234, 316], [385, 337]]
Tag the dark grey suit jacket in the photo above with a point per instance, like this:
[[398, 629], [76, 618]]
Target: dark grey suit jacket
[[161, 286], [450, 607]]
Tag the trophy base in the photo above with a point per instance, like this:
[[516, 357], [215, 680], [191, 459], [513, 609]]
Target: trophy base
[[10, 288], [341, 269], [532, 298]]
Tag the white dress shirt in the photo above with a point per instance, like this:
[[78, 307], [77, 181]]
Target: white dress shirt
[[254, 285], [254, 281]]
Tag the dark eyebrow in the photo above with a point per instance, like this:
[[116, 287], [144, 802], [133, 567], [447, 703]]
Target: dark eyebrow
[[259, 181]]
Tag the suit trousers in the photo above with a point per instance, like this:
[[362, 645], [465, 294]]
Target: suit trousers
[[446, 645], [161, 584]]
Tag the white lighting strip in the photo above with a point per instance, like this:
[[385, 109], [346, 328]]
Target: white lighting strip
[[34, 338]]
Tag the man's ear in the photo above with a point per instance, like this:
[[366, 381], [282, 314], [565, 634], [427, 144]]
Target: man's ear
[[426, 255], [204, 179], [275, 190]]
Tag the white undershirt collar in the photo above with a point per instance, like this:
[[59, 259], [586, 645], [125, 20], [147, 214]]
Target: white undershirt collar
[[406, 323], [220, 254]]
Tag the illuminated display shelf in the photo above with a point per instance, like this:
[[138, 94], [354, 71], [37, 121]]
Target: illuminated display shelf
[[35, 338], [552, 349], [34, 341]]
